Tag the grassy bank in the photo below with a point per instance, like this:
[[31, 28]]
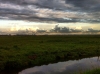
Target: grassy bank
[[94, 71], [17, 52]]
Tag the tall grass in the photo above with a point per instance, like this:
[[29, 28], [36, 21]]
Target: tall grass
[[94, 71], [24, 51]]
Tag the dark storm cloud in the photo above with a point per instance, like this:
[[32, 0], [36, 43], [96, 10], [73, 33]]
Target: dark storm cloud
[[15, 12], [86, 5], [39, 3], [51, 10], [38, 19]]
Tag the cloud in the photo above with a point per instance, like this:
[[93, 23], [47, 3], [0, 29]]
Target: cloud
[[87, 5], [51, 10]]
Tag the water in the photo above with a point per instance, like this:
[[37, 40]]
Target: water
[[67, 67]]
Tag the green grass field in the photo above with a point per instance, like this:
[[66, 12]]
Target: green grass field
[[18, 52], [95, 71]]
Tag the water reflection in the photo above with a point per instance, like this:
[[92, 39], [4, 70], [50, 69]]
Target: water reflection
[[68, 67]]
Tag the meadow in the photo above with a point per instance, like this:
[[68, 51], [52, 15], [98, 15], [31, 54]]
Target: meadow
[[19, 52], [95, 71]]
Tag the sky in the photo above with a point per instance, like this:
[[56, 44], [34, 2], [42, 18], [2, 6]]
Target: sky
[[45, 14]]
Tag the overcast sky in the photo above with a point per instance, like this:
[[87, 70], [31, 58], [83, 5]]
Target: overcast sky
[[47, 13]]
